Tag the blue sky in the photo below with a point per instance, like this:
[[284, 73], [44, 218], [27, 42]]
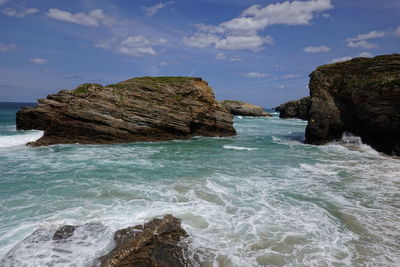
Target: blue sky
[[255, 51]]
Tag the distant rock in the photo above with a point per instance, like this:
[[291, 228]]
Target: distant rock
[[243, 109], [298, 109], [360, 96], [152, 244], [140, 109], [64, 232]]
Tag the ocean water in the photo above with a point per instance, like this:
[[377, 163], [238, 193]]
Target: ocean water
[[262, 198]]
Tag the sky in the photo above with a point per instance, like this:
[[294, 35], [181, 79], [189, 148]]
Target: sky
[[259, 51]]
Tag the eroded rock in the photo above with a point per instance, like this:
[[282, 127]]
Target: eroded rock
[[239, 108], [140, 109], [360, 96], [153, 244], [296, 109]]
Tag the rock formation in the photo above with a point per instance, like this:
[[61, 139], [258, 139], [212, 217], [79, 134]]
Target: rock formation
[[153, 244], [360, 96], [298, 109], [140, 109], [243, 109]]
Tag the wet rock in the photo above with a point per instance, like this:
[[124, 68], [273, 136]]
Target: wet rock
[[140, 109], [297, 109], [243, 109], [153, 244], [360, 96], [64, 232]]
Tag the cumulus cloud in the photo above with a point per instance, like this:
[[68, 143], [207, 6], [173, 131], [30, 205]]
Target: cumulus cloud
[[243, 32], [317, 49], [360, 41], [21, 12], [255, 74], [135, 45], [93, 18], [152, 10], [7, 47], [38, 60]]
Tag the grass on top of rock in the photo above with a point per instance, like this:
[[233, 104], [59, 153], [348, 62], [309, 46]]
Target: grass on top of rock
[[83, 88]]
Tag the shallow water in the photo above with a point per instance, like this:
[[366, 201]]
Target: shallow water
[[258, 199]]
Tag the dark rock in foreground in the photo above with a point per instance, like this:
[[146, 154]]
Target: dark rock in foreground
[[243, 109], [298, 109], [360, 96], [140, 109], [153, 244]]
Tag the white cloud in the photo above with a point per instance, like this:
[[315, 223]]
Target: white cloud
[[361, 44], [22, 12], [7, 47], [201, 40], [365, 54], [233, 42], [235, 58], [360, 41], [152, 10], [163, 63], [368, 36], [137, 51], [38, 60], [317, 49], [243, 32], [2, 2], [135, 45], [291, 76], [341, 59], [326, 15], [94, 18], [255, 74], [220, 56]]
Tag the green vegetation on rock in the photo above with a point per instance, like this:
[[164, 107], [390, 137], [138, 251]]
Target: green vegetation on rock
[[83, 88]]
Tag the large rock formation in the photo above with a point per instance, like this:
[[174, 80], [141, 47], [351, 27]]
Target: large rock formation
[[140, 109], [243, 109], [153, 244], [360, 96], [298, 109]]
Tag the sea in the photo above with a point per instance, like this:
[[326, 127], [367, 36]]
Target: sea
[[261, 198]]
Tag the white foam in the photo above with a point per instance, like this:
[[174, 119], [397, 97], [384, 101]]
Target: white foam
[[19, 139], [240, 148]]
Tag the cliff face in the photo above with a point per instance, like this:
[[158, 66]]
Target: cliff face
[[361, 96], [298, 109], [243, 109], [140, 109]]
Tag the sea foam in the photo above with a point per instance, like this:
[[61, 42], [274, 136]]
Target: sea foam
[[19, 139]]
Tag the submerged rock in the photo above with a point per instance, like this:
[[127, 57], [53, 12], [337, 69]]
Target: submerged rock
[[64, 232], [360, 96], [153, 244], [140, 109], [298, 109], [243, 109]]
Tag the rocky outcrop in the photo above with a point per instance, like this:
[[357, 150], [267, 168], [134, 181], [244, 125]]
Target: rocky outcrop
[[243, 109], [152, 244], [140, 109], [360, 96], [298, 109]]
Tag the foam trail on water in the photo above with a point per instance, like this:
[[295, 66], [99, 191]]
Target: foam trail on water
[[239, 148], [19, 139]]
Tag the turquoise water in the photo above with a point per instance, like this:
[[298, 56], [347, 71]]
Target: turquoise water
[[262, 198]]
